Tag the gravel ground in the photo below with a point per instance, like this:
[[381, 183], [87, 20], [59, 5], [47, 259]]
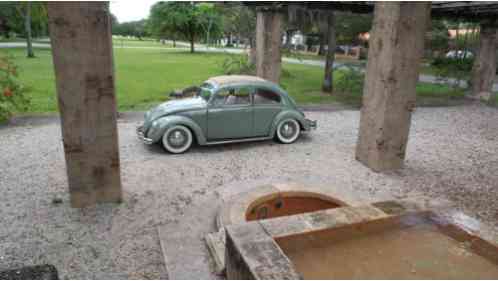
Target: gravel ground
[[452, 154]]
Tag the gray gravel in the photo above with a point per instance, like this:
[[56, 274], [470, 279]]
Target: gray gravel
[[452, 154]]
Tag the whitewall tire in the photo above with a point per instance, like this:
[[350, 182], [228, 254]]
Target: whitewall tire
[[177, 139], [288, 131]]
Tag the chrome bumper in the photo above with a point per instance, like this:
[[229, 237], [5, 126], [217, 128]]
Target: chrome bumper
[[311, 124], [141, 136]]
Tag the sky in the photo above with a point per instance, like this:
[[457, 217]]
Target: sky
[[131, 10]]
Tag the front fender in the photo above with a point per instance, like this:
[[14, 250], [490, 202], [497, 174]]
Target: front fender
[[160, 125], [287, 114]]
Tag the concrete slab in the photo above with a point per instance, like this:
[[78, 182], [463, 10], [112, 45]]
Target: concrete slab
[[182, 241]]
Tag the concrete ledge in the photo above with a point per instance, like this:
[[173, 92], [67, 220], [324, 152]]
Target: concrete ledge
[[250, 253], [253, 254]]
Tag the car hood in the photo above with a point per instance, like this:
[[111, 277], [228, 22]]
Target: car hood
[[175, 106]]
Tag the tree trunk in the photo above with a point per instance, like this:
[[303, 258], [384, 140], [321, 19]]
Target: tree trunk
[[229, 40], [207, 38], [288, 38], [389, 94], [174, 42], [192, 39], [84, 72], [321, 48], [252, 51], [484, 68], [328, 80], [268, 43], [27, 26]]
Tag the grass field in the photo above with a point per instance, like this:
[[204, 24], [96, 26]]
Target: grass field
[[146, 76], [122, 41]]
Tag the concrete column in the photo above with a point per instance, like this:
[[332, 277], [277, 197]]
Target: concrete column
[[328, 79], [80, 34], [268, 43], [484, 68], [396, 48]]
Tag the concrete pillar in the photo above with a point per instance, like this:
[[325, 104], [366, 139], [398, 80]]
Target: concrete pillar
[[80, 34], [268, 43], [484, 68], [396, 48], [328, 79]]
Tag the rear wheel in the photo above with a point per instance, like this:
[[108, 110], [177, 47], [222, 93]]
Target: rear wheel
[[288, 131], [177, 139]]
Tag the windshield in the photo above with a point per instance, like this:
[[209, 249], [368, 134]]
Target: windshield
[[205, 91]]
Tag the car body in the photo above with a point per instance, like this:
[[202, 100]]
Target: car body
[[231, 108]]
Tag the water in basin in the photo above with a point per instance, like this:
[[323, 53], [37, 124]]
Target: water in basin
[[419, 249]]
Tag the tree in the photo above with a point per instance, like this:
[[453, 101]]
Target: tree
[[240, 20], [114, 21], [28, 18], [328, 78], [209, 19], [131, 28], [27, 26], [178, 18], [8, 14], [349, 26], [439, 37]]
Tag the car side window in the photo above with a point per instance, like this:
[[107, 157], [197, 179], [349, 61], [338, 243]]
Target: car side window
[[264, 96], [232, 96]]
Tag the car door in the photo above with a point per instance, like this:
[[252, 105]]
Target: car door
[[230, 114], [267, 104]]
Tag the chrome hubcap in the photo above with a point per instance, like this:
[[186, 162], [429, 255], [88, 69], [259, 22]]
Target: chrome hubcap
[[177, 138], [287, 130]]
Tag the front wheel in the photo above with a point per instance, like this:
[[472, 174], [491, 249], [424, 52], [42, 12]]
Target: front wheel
[[288, 131], [177, 139]]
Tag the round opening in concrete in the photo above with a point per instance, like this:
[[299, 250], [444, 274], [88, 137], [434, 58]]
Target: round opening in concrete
[[287, 204], [279, 199]]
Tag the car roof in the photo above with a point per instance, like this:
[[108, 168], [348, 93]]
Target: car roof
[[225, 80]]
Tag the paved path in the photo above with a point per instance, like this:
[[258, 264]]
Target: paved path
[[200, 47]]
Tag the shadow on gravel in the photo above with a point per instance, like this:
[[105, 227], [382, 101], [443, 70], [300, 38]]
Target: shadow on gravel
[[39, 272], [220, 148]]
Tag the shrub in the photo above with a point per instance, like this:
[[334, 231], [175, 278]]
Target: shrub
[[237, 64], [461, 64], [12, 93], [349, 80], [452, 71]]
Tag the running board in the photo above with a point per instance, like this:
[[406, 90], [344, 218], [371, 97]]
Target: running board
[[238, 140]]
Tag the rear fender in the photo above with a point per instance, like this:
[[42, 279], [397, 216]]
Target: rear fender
[[287, 114]]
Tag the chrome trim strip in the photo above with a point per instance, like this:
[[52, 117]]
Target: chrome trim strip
[[238, 140]]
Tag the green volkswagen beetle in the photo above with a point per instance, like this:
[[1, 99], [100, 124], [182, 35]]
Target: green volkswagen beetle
[[225, 109]]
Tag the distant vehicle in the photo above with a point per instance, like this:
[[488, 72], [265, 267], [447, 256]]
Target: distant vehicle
[[226, 109], [459, 54]]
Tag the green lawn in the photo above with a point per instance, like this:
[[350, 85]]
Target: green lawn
[[121, 41], [146, 76]]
